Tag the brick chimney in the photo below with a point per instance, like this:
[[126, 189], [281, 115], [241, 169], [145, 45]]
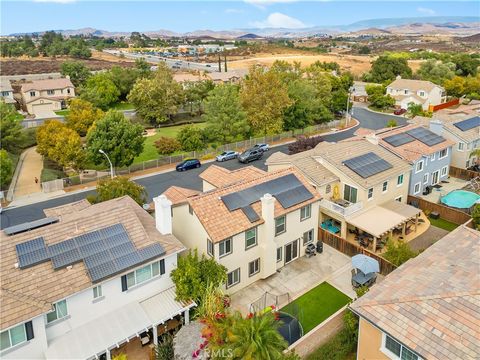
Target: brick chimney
[[163, 214]]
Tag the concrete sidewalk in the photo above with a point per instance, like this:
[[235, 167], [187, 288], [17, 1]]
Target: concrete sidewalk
[[30, 168]]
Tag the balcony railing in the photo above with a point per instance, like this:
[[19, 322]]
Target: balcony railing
[[345, 209]]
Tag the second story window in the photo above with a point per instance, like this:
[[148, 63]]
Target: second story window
[[68, 91], [225, 247], [398, 350], [250, 238], [97, 292], [210, 248], [350, 193], [143, 274], [443, 153], [59, 311], [419, 166], [461, 146], [50, 92], [16, 335], [370, 194], [5, 93], [280, 225], [400, 180], [306, 212], [32, 93], [385, 186]]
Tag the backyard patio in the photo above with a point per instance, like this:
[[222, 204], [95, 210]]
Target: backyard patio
[[443, 188]]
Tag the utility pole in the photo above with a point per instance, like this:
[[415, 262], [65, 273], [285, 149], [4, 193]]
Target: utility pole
[[225, 56], [219, 63]]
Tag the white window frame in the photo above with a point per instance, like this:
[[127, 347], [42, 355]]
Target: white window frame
[[227, 285], [398, 179], [223, 243], [350, 193], [55, 310], [444, 171], [419, 188], [50, 92], [152, 276], [432, 157], [440, 154], [416, 166], [306, 212], [389, 353], [9, 331], [97, 292], [281, 254], [282, 226], [33, 93], [370, 194], [421, 93], [210, 248], [246, 239], [385, 187], [462, 147], [311, 231], [256, 267], [426, 175]]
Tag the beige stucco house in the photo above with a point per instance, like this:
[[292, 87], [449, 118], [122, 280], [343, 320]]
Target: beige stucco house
[[425, 93], [40, 97], [250, 221], [428, 308], [6, 91]]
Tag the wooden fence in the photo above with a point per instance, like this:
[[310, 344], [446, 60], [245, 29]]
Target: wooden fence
[[463, 173], [447, 213], [342, 245], [445, 105]]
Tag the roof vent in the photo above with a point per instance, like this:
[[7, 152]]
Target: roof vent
[[70, 267], [15, 265]]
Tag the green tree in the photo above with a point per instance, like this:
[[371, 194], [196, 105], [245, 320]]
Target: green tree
[[82, 115], [6, 168], [455, 86], [77, 72], [364, 50], [387, 68], [118, 137], [158, 98], [119, 186], [398, 252], [226, 121], [264, 98], [306, 107], [194, 274], [143, 67], [191, 138], [466, 64], [377, 97], [392, 123], [436, 71], [476, 216], [196, 92], [10, 127], [100, 90], [124, 79], [167, 145]]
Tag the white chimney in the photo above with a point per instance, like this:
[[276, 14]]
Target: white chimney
[[163, 214], [436, 126], [372, 138], [267, 237]]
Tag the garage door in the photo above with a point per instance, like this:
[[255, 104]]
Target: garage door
[[42, 107]]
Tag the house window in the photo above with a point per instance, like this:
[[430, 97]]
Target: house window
[[225, 247], [444, 171], [50, 92], [419, 166], [59, 311], [250, 238], [97, 292], [306, 212], [279, 254], [280, 226], [233, 278], [400, 180], [405, 91], [16, 335], [350, 193], [145, 273], [461, 146], [5, 93], [328, 188], [395, 348], [422, 93], [370, 194], [425, 178], [399, 199], [416, 188], [32, 93], [254, 267], [443, 153], [68, 91], [385, 186], [210, 248], [308, 237]]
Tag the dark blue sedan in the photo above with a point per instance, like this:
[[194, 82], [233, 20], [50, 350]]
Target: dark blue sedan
[[188, 164]]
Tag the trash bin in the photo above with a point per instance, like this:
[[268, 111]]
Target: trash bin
[[319, 247]]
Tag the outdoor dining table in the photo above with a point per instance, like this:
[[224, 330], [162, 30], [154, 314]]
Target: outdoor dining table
[[361, 279]]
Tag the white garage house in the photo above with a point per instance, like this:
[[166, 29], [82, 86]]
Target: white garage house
[[41, 97]]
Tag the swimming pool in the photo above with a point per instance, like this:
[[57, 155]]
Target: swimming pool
[[460, 199]]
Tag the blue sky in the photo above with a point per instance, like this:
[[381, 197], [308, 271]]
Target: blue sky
[[182, 16]]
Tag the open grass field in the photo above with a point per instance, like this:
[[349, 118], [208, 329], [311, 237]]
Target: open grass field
[[317, 305]]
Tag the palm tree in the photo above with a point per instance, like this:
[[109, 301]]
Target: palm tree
[[475, 153]]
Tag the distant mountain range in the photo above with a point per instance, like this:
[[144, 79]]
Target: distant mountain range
[[454, 25]]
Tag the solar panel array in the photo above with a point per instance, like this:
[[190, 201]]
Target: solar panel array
[[468, 124], [105, 252], [367, 164], [399, 139], [426, 136], [288, 190], [17, 229]]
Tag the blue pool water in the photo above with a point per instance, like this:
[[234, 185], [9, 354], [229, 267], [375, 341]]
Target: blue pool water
[[460, 199]]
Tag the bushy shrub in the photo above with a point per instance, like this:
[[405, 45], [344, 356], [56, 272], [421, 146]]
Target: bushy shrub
[[167, 145], [304, 143]]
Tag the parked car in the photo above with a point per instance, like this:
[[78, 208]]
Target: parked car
[[227, 155], [208, 65], [250, 155], [400, 111], [188, 164], [263, 147]]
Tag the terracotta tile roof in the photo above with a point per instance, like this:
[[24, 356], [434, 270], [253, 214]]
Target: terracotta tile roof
[[448, 121], [178, 195], [47, 84], [431, 303], [26, 293], [220, 177], [221, 223], [413, 85], [67, 208]]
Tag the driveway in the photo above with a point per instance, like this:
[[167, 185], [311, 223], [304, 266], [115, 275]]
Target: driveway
[[375, 120], [299, 277]]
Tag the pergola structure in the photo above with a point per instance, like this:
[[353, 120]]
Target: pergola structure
[[381, 220]]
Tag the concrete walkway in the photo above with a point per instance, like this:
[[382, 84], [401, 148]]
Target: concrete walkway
[[30, 168]]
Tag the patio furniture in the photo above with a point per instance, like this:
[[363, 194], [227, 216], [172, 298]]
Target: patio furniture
[[310, 250], [319, 247], [361, 279], [365, 264], [145, 338], [434, 215]]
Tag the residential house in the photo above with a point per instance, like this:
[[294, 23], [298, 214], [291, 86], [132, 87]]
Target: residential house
[[86, 280], [428, 308], [363, 186], [254, 223], [40, 97], [6, 91], [359, 92], [463, 130], [230, 77], [428, 153], [425, 93]]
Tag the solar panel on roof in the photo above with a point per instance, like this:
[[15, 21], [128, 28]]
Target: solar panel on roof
[[101, 271], [122, 249], [66, 258], [250, 213], [30, 246], [426, 136], [17, 229], [61, 247], [151, 251], [293, 196], [399, 139], [468, 124], [367, 165], [127, 261], [32, 252]]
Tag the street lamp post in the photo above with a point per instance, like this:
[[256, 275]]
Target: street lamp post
[[111, 166], [347, 115]]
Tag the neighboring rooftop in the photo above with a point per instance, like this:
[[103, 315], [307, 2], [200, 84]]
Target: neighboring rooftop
[[431, 303], [450, 123], [178, 195], [219, 176], [413, 85], [31, 291], [47, 84], [5, 84]]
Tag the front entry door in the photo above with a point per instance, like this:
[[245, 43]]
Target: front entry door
[[435, 178], [291, 251]]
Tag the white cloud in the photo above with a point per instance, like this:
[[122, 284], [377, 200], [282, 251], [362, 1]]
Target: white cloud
[[56, 1], [426, 11], [262, 4], [234, 11], [279, 20]]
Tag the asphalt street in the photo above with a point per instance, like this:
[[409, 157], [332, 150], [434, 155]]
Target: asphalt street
[[156, 184]]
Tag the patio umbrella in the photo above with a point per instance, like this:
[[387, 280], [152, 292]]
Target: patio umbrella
[[365, 264]]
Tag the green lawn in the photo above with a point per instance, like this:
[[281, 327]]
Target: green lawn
[[122, 105], [149, 149], [443, 224], [62, 112], [317, 305]]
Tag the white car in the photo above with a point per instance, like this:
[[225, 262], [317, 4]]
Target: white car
[[263, 147], [227, 155]]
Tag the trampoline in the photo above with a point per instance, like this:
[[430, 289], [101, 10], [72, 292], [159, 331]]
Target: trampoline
[[290, 329]]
